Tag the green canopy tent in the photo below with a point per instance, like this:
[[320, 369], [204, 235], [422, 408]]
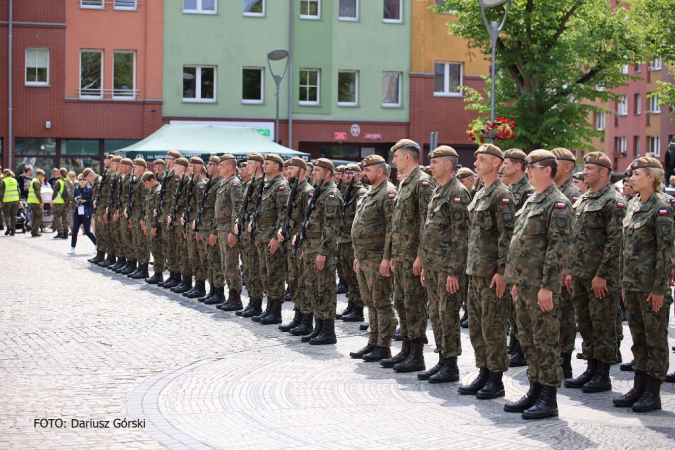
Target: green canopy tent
[[205, 141]]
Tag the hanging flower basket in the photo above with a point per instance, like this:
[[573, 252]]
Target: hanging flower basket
[[501, 129]]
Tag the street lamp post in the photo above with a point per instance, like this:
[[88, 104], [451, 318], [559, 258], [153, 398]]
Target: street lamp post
[[277, 55], [493, 30]]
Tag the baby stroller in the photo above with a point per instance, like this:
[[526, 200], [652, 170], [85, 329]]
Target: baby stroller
[[22, 215]]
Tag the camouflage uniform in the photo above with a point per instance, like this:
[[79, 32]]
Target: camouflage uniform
[[170, 246], [296, 273], [443, 245], [102, 228], [156, 243], [491, 216], [409, 214], [345, 248], [537, 257], [197, 264], [125, 231], [597, 238], [249, 252], [228, 201], [116, 225], [141, 248], [647, 260], [181, 255], [207, 226]]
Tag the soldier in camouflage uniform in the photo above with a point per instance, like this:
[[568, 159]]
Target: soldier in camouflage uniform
[[272, 210], [535, 265], [140, 243], [193, 196], [170, 246], [592, 275], [352, 192], [104, 212], [410, 212], [443, 248], [568, 325], [176, 251], [491, 219], [341, 182], [647, 264], [100, 185], [159, 168], [122, 223], [179, 207], [152, 228]]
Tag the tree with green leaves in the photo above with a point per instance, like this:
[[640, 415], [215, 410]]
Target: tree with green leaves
[[551, 58]]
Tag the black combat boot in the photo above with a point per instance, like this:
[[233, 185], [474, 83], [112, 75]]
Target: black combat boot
[[359, 353], [448, 373], [297, 318], [173, 281], [355, 315], [424, 375], [305, 326], [217, 297], [347, 310], [198, 291], [100, 257], [546, 405], [130, 268], [121, 262], [670, 378], [327, 335], [477, 384], [566, 365], [274, 316], [527, 401], [640, 382], [627, 366], [256, 308], [397, 335], [142, 272], [377, 354], [464, 321], [517, 358], [400, 357], [157, 278], [600, 381], [317, 330], [342, 287], [245, 310], [138, 267], [363, 326], [578, 382], [258, 317], [233, 302], [186, 286], [212, 292], [494, 388], [110, 261], [287, 296], [651, 398], [415, 360]]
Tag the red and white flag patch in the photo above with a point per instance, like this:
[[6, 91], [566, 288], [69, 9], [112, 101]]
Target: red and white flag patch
[[392, 195], [311, 195], [560, 205], [236, 185], [281, 188], [506, 201], [663, 212], [529, 194], [574, 199], [425, 183], [331, 197], [458, 200], [621, 204]]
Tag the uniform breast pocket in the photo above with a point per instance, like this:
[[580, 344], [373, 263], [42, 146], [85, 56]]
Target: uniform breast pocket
[[536, 223], [594, 219], [485, 220], [402, 199], [642, 231]]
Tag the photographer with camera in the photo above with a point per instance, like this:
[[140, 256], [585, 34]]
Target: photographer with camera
[[84, 199]]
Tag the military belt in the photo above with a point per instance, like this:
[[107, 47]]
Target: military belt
[[313, 234], [346, 228], [221, 221], [373, 240], [266, 221]]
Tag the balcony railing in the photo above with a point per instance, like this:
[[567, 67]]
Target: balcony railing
[[105, 94]]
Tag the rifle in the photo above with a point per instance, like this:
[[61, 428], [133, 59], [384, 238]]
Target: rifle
[[243, 217], [100, 186], [174, 207], [119, 199], [188, 196], [130, 201], [160, 202], [290, 204], [198, 220], [348, 196], [310, 208], [111, 199], [256, 213], [339, 185]]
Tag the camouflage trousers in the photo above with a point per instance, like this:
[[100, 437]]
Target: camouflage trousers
[[650, 333], [346, 272], [273, 272], [249, 256], [597, 321], [210, 254], [539, 336], [36, 221], [376, 292], [568, 323], [293, 280], [513, 324], [125, 241], [303, 301], [116, 238], [410, 301], [488, 316], [444, 312], [139, 241], [184, 266], [102, 232], [196, 262], [59, 213], [321, 285], [157, 249], [170, 246], [229, 258]]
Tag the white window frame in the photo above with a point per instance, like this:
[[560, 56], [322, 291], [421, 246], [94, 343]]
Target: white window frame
[[654, 105], [262, 14], [638, 104], [36, 83], [637, 146], [446, 79], [655, 145], [622, 106], [599, 88], [622, 145], [356, 89], [198, 84], [400, 89], [346, 18], [656, 64], [318, 88], [102, 73], [262, 86], [310, 17], [400, 20], [199, 9], [624, 69], [125, 7], [92, 6], [133, 87], [600, 121]]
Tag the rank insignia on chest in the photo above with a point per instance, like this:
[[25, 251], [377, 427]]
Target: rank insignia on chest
[[458, 200], [425, 183], [663, 212], [281, 188], [621, 204], [560, 205], [506, 201], [331, 197], [392, 195]]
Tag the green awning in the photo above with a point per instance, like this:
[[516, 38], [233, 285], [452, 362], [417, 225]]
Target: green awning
[[205, 141]]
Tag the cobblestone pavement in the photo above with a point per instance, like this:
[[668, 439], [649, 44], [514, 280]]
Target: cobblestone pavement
[[79, 342]]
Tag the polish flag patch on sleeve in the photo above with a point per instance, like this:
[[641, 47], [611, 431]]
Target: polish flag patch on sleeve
[[574, 199], [392, 195], [311, 195], [560, 205], [663, 212], [458, 200], [201, 188], [236, 185], [529, 194], [425, 183], [621, 204], [506, 201], [331, 197], [281, 188]]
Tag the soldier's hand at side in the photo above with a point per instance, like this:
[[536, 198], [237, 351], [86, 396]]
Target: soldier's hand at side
[[231, 240], [567, 280], [293, 241], [105, 217], [153, 232], [657, 301], [197, 236], [280, 237], [273, 245], [498, 280], [182, 222], [95, 205], [452, 285], [126, 216], [391, 265], [236, 229], [623, 295], [154, 213], [302, 255], [355, 265], [599, 287], [417, 266], [42, 206], [545, 300], [213, 238], [320, 262], [385, 267], [194, 224], [249, 228], [671, 282], [422, 279], [168, 220], [514, 293]]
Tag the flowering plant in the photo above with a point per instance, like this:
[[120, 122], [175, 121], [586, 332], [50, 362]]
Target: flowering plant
[[500, 130]]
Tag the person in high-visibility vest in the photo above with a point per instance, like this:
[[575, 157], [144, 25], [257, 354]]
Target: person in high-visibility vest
[[35, 202], [60, 203], [9, 200]]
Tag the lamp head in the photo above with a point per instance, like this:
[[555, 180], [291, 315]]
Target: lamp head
[[492, 3], [276, 55]]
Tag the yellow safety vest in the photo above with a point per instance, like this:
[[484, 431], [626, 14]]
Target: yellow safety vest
[[62, 186], [11, 190], [32, 198]]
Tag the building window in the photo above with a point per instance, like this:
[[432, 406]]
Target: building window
[[310, 80], [37, 66], [655, 145], [636, 146], [600, 121], [624, 69], [252, 85], [656, 64], [654, 105], [310, 9], [91, 73], [200, 6], [124, 75], [622, 105], [637, 68], [447, 79], [129, 5], [621, 146], [349, 10], [254, 8], [391, 89], [348, 88], [199, 84], [392, 11], [638, 104], [92, 4]]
